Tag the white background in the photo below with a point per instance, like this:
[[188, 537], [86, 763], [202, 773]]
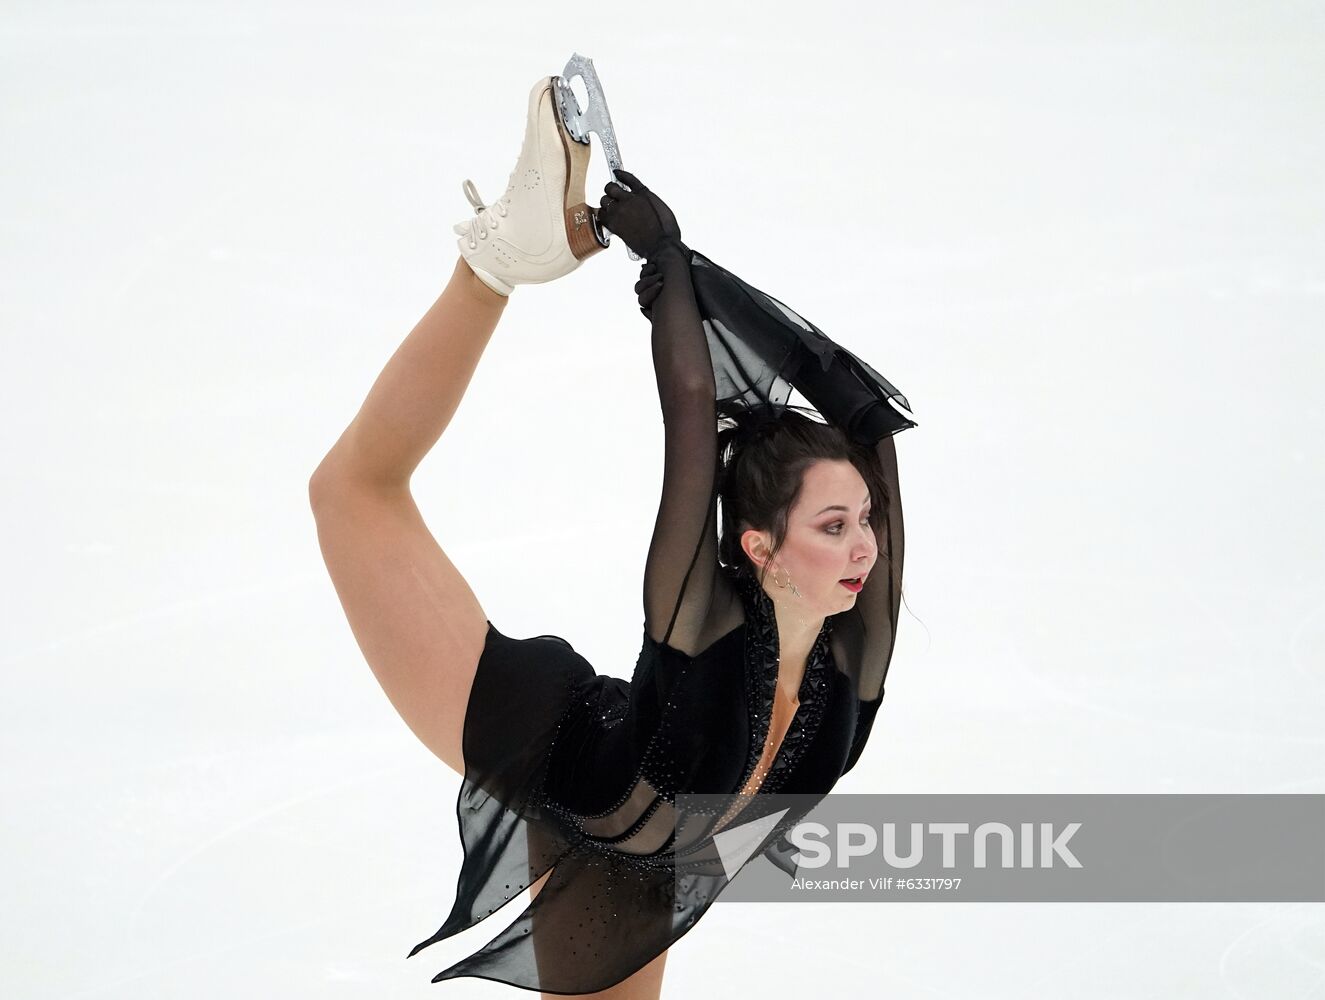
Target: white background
[[1085, 241]]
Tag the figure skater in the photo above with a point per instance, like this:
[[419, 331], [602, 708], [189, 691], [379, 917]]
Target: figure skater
[[767, 631]]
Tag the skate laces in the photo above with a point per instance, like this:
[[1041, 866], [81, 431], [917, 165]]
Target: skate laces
[[485, 216]]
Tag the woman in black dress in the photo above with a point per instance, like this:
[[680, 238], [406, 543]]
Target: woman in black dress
[[761, 665]]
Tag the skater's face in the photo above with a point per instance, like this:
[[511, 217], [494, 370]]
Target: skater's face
[[829, 539]]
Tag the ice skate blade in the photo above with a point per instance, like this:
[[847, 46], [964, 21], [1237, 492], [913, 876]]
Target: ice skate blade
[[579, 122]]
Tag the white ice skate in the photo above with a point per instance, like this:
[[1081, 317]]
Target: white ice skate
[[542, 227]]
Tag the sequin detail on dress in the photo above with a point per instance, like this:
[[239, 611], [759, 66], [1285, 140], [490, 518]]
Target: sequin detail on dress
[[762, 650]]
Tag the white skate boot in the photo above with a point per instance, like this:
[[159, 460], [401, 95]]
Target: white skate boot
[[541, 228]]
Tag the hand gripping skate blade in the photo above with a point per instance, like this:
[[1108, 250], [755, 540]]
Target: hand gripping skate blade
[[579, 122]]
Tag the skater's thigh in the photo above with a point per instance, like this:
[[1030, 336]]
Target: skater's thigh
[[419, 625]]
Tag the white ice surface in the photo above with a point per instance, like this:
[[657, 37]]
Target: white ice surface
[[1084, 240]]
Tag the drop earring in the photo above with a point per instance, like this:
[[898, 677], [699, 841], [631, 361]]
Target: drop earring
[[784, 586]]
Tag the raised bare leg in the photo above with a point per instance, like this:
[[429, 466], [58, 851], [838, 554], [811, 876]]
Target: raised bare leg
[[417, 622]]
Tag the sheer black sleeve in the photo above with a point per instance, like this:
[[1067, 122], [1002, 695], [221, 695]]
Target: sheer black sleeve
[[682, 585]]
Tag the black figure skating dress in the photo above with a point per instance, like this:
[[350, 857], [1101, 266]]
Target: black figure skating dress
[[569, 768]]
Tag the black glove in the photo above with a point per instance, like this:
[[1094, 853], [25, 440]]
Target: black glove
[[638, 216], [647, 288]]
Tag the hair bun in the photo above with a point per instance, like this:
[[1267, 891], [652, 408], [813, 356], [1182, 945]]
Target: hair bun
[[753, 422]]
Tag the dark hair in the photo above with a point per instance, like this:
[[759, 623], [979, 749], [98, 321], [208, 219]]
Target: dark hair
[[762, 462]]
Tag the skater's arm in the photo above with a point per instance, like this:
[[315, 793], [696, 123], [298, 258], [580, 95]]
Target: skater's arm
[[680, 575], [681, 359], [879, 602]]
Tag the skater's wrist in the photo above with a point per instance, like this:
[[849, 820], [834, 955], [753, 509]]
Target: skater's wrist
[[670, 253]]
